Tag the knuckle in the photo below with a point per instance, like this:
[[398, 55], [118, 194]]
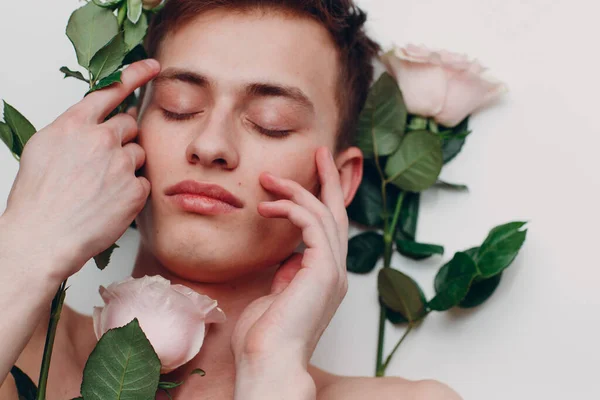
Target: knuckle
[[123, 163], [71, 120], [139, 193], [106, 137], [128, 119]]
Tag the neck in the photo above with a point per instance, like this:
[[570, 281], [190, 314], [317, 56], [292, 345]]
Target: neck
[[215, 357]]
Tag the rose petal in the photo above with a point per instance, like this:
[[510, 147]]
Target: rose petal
[[467, 92], [441, 84], [423, 84], [173, 317]]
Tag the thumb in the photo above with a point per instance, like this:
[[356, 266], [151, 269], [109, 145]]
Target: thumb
[[133, 111], [286, 272]]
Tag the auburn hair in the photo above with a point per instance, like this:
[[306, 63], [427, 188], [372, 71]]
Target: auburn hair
[[341, 18]]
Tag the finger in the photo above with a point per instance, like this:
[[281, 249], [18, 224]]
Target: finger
[[292, 190], [133, 111], [100, 103], [332, 194], [136, 153], [286, 273], [313, 232], [145, 183], [123, 126]]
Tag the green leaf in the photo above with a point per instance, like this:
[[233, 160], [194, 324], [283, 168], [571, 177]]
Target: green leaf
[[441, 276], [112, 4], [21, 128], [452, 146], [103, 258], [363, 252], [134, 10], [108, 59], [452, 186], [401, 293], [138, 53], [432, 126], [122, 366], [409, 215], [169, 385], [394, 317], [382, 121], [418, 251], [105, 82], [134, 33], [416, 123], [25, 386], [480, 291], [73, 74], [417, 163], [198, 371], [500, 248], [366, 207], [7, 135], [452, 282], [90, 28], [407, 228]]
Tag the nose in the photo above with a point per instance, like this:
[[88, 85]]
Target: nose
[[213, 143]]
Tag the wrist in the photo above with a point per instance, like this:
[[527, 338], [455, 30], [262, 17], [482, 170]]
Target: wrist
[[28, 256], [271, 379]]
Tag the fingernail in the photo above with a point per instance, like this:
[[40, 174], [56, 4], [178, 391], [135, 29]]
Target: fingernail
[[152, 63]]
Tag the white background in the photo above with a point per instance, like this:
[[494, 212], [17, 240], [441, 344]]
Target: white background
[[533, 157]]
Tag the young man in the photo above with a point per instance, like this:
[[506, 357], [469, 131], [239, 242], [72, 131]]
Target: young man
[[246, 102]]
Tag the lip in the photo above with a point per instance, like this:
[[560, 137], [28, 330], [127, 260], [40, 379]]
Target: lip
[[203, 198]]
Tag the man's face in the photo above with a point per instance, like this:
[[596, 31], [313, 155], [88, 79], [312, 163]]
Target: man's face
[[237, 76]]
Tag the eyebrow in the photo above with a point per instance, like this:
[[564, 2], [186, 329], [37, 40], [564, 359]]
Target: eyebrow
[[255, 89]]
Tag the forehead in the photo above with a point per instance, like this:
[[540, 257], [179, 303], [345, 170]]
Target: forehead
[[233, 48]]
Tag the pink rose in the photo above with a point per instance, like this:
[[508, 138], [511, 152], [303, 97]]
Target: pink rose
[[440, 84], [173, 317]]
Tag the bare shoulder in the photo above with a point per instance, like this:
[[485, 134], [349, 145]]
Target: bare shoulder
[[8, 389], [71, 347], [337, 387], [26, 362]]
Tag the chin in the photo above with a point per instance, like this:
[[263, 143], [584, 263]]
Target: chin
[[206, 253]]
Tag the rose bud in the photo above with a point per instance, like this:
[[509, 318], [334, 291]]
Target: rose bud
[[439, 84], [174, 318]]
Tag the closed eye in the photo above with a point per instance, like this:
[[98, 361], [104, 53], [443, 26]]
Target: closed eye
[[271, 132], [171, 116]]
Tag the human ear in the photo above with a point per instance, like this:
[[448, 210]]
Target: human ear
[[349, 163]]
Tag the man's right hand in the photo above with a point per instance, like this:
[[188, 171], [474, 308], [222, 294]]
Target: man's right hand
[[76, 191]]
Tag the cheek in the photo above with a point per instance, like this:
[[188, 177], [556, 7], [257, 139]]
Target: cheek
[[302, 168], [162, 152]]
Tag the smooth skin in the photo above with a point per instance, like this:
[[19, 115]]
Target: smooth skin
[[84, 202]]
